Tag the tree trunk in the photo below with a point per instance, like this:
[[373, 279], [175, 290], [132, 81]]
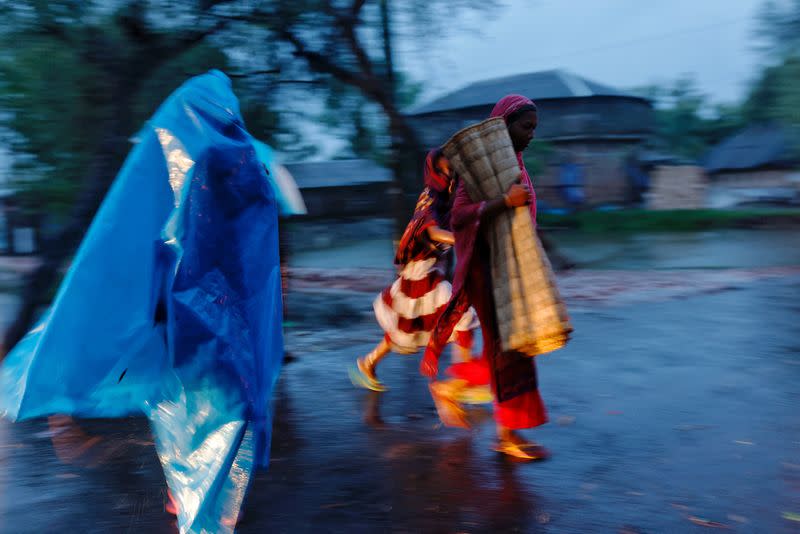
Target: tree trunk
[[386, 26]]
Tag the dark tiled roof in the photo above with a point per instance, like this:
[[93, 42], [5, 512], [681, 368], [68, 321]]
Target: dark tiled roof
[[762, 145], [338, 173], [535, 85]]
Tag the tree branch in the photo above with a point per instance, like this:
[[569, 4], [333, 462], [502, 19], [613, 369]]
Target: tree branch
[[368, 84], [347, 20], [298, 82], [348, 27], [355, 9], [321, 63], [192, 38], [164, 49], [208, 5], [50, 28], [265, 72]]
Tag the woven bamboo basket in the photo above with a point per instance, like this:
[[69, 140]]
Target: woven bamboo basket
[[531, 315]]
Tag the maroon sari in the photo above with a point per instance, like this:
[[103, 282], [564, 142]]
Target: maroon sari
[[512, 375]]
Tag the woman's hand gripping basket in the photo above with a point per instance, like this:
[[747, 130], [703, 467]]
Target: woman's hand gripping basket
[[531, 316]]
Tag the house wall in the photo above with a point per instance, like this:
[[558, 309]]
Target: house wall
[[598, 132], [603, 168], [729, 189], [758, 178], [368, 200]]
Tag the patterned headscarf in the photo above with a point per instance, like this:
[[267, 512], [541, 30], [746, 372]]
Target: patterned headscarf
[[437, 175], [433, 209]]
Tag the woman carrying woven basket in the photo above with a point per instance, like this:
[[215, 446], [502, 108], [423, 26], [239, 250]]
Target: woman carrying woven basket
[[408, 309], [511, 374]]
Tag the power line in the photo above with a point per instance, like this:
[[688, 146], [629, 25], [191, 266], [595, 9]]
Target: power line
[[629, 42], [497, 67], [639, 40]]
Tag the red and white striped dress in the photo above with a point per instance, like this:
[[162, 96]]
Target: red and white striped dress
[[408, 309]]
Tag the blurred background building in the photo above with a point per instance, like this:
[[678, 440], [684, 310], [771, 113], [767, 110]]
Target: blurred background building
[[339, 188], [755, 165], [591, 129], [638, 120]]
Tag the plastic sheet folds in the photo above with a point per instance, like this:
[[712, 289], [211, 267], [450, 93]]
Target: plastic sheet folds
[[172, 307]]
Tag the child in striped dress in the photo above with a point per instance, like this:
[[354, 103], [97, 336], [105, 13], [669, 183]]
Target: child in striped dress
[[409, 308]]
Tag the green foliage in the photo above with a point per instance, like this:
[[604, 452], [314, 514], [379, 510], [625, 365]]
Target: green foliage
[[687, 123], [775, 97], [775, 94], [352, 117], [168, 77], [62, 58], [407, 90], [54, 107], [57, 99], [778, 29]]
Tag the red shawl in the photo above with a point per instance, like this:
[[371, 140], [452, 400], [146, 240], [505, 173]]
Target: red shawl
[[432, 209]]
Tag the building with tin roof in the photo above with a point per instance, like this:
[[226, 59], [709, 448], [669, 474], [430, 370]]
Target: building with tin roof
[[587, 133]]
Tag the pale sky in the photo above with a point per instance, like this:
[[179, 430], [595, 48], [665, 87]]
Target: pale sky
[[622, 43]]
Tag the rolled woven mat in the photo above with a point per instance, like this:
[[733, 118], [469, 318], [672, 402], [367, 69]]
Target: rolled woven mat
[[531, 315]]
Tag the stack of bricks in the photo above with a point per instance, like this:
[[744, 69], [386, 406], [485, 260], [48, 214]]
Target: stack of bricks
[[674, 187]]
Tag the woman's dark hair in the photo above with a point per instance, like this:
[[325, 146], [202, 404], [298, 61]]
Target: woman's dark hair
[[442, 203], [440, 187], [520, 112]]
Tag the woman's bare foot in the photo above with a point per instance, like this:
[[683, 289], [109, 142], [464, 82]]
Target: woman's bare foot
[[449, 409], [171, 507]]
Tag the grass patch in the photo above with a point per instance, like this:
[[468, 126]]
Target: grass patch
[[672, 220]]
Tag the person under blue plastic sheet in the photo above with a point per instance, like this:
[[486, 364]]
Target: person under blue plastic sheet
[[290, 203], [172, 307]]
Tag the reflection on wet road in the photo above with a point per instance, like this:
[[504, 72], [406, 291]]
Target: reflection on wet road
[[673, 412]]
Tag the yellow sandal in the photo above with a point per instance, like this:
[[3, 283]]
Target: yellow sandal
[[526, 452], [363, 379]]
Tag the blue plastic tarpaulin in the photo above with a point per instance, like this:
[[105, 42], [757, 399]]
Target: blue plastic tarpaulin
[[287, 194], [172, 307]]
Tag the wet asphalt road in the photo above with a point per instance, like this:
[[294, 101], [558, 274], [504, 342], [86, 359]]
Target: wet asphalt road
[[675, 408], [673, 415]]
